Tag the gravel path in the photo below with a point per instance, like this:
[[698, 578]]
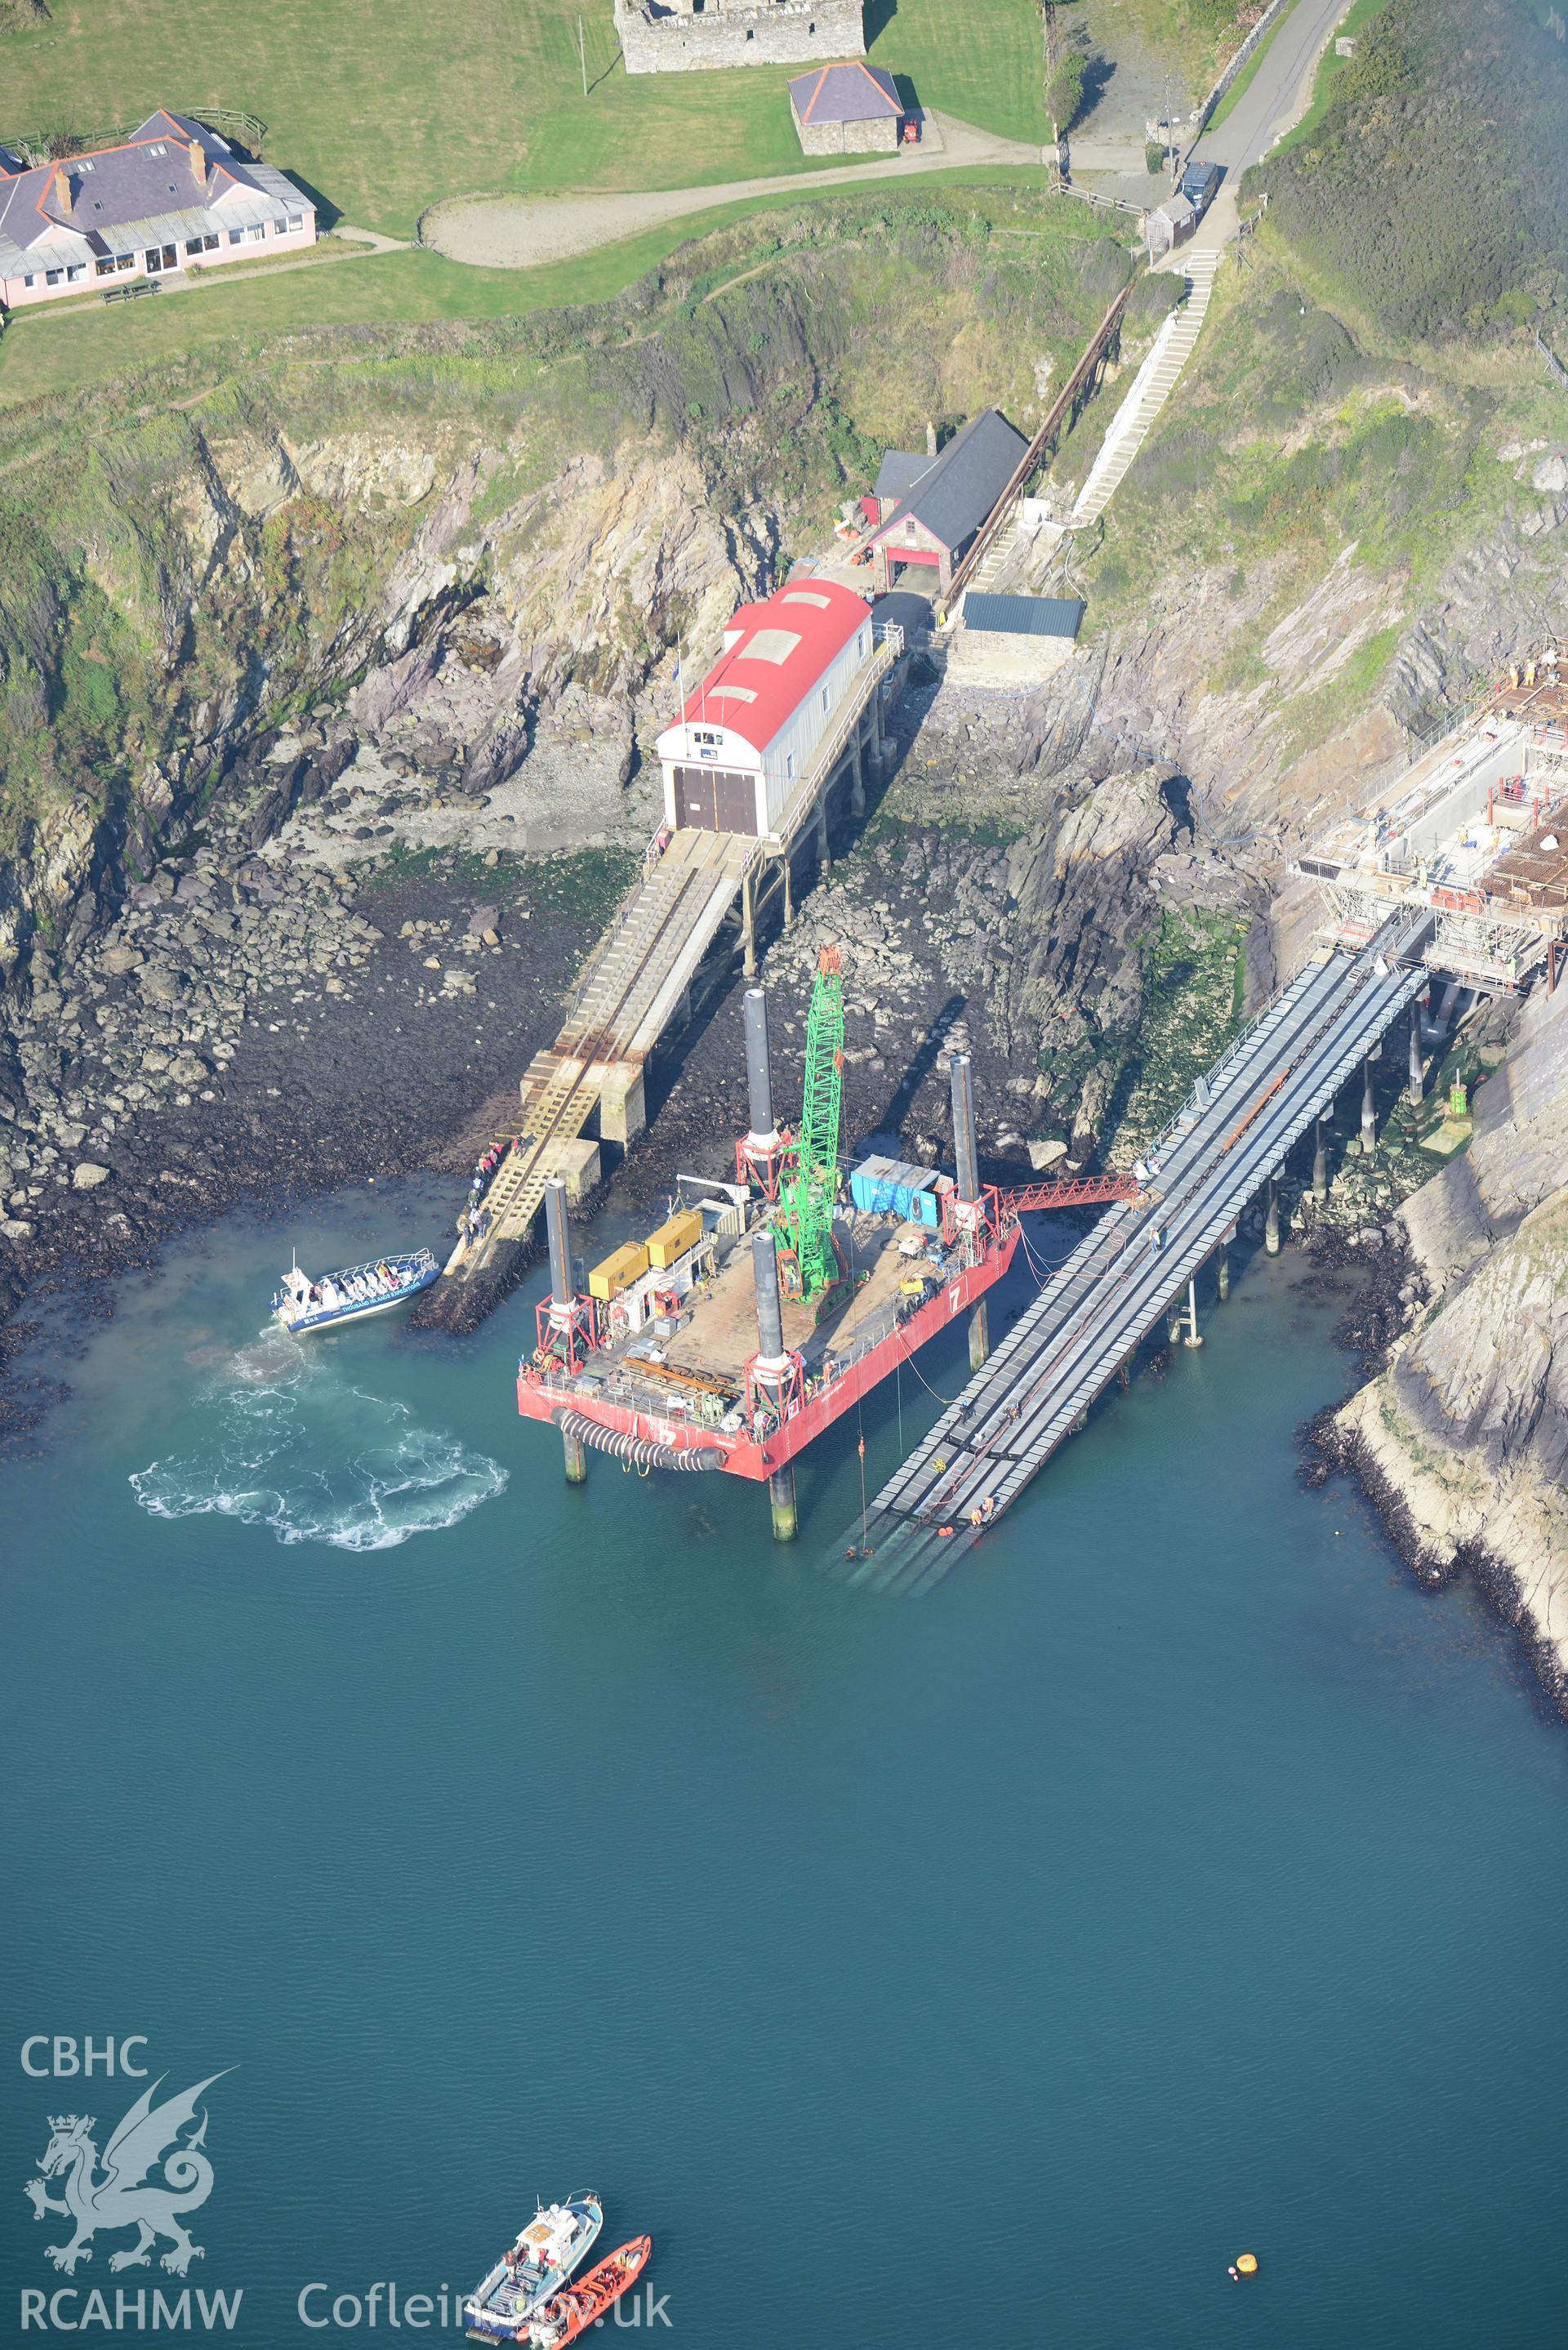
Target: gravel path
[[523, 232]]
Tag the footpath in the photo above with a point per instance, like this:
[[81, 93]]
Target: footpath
[[523, 232]]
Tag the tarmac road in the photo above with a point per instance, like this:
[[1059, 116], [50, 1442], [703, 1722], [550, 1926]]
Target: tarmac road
[[1279, 92]]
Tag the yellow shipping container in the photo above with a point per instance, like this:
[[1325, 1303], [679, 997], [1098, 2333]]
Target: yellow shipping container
[[672, 1240], [618, 1272]]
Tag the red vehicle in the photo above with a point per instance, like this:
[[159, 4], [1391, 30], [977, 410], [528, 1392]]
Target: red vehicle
[[571, 2312]]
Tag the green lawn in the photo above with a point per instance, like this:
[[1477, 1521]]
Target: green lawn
[[214, 324], [385, 106]]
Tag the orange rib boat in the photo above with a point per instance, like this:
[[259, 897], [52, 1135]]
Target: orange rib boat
[[584, 2304]]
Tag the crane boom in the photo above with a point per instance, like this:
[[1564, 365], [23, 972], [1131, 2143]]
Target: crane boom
[[807, 1261]]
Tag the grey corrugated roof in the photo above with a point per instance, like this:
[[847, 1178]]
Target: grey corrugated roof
[[848, 93], [958, 488], [1024, 616], [899, 470]]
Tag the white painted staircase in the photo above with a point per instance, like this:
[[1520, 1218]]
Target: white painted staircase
[[1151, 387]]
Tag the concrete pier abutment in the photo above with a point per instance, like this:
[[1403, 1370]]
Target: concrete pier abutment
[[623, 1107]]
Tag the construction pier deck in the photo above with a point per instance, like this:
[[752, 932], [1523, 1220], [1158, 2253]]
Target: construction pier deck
[[1115, 1287], [636, 983]]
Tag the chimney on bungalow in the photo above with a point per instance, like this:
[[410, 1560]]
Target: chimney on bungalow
[[61, 189], [931, 438], [198, 155]]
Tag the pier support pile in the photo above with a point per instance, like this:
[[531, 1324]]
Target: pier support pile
[[968, 1164], [773, 1363], [573, 1447]]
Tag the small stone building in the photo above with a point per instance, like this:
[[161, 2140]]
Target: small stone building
[[936, 516], [1168, 226], [695, 35], [846, 110]]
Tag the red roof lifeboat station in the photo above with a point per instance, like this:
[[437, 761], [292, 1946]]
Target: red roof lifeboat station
[[745, 739]]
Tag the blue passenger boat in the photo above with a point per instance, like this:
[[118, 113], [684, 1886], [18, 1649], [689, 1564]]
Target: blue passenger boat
[[353, 1293]]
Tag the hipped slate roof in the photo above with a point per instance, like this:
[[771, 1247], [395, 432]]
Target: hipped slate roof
[[1024, 616], [89, 203], [849, 93], [958, 488]]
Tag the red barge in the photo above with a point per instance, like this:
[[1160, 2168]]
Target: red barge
[[763, 1309]]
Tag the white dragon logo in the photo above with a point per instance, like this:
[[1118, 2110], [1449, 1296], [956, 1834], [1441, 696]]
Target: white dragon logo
[[119, 2199]]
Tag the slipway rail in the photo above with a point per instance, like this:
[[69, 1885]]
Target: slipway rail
[[1237, 1125], [627, 996], [636, 983], [1075, 389]]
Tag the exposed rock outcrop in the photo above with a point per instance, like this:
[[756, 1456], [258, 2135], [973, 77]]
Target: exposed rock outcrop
[[1465, 1434]]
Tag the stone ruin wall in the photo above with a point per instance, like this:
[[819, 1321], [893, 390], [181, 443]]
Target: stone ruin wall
[[775, 33]]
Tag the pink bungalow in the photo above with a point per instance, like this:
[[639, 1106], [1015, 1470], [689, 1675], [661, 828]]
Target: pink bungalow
[[175, 196]]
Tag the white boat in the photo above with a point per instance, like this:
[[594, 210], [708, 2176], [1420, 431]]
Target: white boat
[[353, 1293], [552, 2244]]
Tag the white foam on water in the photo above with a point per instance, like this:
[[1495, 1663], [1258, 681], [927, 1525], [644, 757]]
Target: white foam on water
[[296, 1449]]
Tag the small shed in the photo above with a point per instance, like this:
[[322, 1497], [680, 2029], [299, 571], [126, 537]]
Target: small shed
[[1008, 640], [1168, 226], [846, 110]]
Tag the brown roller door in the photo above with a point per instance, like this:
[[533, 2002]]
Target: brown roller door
[[694, 797], [716, 798], [736, 798]]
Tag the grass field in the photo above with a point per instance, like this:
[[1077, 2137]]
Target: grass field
[[43, 354], [383, 107]]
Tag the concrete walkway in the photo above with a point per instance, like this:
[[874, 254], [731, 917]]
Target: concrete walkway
[[524, 232]]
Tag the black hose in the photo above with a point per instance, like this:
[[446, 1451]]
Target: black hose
[[638, 1451]]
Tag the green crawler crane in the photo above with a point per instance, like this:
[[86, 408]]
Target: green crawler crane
[[808, 1262]]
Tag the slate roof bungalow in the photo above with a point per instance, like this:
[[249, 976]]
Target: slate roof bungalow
[[174, 194], [939, 503], [849, 109]]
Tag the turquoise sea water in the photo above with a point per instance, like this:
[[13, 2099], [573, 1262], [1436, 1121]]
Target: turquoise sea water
[[1176, 1880]]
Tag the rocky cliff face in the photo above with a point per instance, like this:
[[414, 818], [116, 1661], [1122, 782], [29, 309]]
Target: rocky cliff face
[[1465, 1434]]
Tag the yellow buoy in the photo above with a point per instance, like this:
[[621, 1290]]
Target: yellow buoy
[[1248, 2264]]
